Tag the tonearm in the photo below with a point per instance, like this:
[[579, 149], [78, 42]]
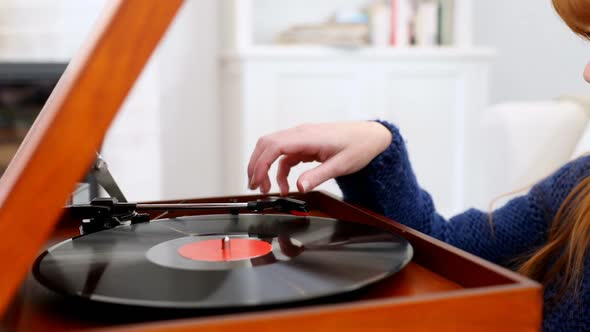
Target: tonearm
[[110, 212]]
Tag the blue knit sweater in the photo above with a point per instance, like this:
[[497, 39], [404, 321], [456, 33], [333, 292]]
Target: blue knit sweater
[[388, 185]]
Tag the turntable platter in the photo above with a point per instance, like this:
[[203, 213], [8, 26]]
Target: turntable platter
[[222, 261]]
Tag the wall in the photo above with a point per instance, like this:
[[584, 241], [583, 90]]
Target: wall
[[132, 146], [41, 30], [165, 141], [190, 117], [538, 58]]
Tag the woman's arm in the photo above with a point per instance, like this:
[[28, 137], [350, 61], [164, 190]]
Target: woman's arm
[[370, 162], [388, 185], [341, 148]]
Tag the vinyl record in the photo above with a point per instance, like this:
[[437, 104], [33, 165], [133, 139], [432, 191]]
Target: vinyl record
[[222, 261]]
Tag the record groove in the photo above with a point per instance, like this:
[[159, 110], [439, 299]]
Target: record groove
[[140, 265]]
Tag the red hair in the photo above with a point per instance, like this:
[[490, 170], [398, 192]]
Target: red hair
[[561, 259], [576, 14]]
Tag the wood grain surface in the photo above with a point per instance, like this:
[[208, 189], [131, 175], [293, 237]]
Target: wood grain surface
[[442, 289], [62, 142]]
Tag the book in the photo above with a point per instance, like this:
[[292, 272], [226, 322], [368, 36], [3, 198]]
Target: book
[[401, 15], [380, 23], [330, 34], [397, 23], [446, 22], [426, 23]]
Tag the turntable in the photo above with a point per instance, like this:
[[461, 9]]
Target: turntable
[[310, 261], [214, 262]]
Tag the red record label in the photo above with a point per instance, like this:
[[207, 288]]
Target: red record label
[[218, 250]]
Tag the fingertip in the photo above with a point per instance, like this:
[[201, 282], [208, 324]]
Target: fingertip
[[283, 185], [303, 186], [284, 191], [265, 186]]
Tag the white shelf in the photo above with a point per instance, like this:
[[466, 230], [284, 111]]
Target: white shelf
[[368, 53], [18, 58]]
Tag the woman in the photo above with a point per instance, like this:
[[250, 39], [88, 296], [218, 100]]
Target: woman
[[544, 234]]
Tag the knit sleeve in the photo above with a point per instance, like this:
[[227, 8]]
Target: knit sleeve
[[388, 186]]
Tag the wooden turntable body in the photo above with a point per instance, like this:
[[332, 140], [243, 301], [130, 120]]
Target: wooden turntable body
[[443, 288]]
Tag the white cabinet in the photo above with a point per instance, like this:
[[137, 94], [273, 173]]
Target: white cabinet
[[434, 96]]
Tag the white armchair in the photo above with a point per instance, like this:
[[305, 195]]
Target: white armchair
[[522, 142]]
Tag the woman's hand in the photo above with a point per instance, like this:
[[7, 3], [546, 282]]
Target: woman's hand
[[342, 148]]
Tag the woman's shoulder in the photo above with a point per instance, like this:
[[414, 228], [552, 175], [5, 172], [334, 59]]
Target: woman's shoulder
[[552, 191], [570, 174]]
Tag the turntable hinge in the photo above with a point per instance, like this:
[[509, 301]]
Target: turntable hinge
[[105, 179]]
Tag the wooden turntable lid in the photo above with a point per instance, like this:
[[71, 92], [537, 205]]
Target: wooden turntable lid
[[62, 142]]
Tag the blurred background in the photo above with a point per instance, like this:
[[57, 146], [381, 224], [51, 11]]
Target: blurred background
[[488, 94]]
